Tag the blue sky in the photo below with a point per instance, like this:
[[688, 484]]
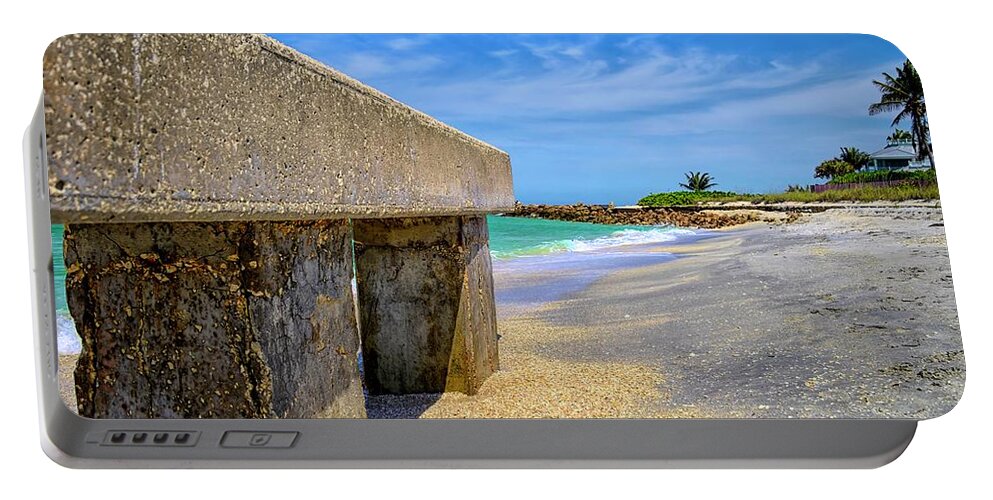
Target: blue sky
[[600, 118]]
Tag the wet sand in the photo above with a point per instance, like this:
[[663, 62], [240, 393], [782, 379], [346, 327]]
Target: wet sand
[[845, 313]]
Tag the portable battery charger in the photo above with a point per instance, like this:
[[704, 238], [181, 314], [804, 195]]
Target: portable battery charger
[[242, 257]]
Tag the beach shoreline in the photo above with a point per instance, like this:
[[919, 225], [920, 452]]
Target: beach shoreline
[[845, 313]]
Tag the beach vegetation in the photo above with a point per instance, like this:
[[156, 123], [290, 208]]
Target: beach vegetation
[[796, 194], [684, 198], [855, 157], [886, 175], [904, 94], [833, 168], [862, 194], [698, 181], [899, 135]]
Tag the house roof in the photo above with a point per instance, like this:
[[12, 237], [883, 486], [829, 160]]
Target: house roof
[[895, 152]]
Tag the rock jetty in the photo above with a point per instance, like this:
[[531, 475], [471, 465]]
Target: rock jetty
[[702, 217]]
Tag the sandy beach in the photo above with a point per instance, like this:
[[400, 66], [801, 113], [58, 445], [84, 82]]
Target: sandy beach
[[845, 313]]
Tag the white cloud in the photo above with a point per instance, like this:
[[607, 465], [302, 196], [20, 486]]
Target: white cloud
[[842, 98], [574, 52], [406, 43], [585, 85], [367, 64], [502, 54], [559, 54]]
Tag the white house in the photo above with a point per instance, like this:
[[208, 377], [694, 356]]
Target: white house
[[897, 155]]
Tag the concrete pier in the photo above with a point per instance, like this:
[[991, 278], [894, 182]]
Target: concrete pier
[[426, 301], [209, 185], [240, 127], [243, 319]]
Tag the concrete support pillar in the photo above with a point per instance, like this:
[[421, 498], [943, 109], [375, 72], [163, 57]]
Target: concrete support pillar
[[214, 319], [426, 304]]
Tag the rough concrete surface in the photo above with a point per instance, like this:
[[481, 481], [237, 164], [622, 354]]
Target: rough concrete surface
[[222, 320], [171, 127], [426, 301]]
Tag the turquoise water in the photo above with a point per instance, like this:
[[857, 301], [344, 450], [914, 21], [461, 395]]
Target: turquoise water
[[519, 236], [59, 265], [557, 258], [68, 340], [518, 245]]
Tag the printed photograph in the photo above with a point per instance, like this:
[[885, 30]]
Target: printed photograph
[[496, 226]]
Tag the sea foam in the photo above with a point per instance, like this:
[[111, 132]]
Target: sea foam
[[67, 338], [618, 238]]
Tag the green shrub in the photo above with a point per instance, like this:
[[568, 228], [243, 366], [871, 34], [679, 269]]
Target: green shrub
[[886, 175], [677, 198], [888, 193], [833, 168], [866, 194]]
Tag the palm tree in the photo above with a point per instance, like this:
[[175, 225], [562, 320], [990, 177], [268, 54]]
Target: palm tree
[[698, 181], [855, 157], [832, 168], [905, 94], [899, 135]]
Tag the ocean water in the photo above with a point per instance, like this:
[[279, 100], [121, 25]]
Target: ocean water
[[68, 340], [512, 237], [563, 257], [537, 261]]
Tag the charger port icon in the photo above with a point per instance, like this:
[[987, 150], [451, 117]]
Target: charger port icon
[[259, 439]]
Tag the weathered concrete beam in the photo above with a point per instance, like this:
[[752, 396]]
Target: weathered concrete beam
[[149, 128], [426, 304], [197, 301], [222, 320]]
